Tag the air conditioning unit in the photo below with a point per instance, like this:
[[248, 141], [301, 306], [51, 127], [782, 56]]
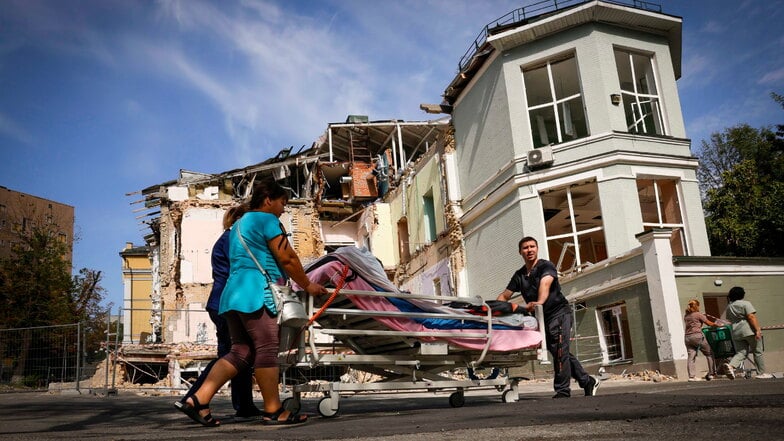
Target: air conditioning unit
[[540, 157]]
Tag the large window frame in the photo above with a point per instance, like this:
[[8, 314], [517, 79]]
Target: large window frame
[[640, 94], [573, 226], [556, 108], [660, 207]]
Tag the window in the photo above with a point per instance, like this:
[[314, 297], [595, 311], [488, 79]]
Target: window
[[661, 208], [402, 240], [429, 210], [640, 96], [555, 102], [437, 287], [614, 333], [573, 223]]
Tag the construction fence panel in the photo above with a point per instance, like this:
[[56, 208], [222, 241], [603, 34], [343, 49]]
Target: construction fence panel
[[33, 358]]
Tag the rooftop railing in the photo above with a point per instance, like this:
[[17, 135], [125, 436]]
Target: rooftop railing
[[534, 10]]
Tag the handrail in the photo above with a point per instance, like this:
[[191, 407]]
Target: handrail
[[533, 10]]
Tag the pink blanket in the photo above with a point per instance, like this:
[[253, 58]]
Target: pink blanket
[[502, 340]]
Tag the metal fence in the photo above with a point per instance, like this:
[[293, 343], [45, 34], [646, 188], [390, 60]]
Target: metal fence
[[33, 358]]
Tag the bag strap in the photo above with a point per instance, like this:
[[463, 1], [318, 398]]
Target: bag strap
[[245, 245]]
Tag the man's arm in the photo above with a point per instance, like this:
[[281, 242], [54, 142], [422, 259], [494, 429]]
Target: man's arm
[[544, 292], [505, 295]]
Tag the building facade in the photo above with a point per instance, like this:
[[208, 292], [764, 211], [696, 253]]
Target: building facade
[[137, 295], [20, 213], [568, 128]]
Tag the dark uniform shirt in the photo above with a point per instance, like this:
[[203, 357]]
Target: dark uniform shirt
[[528, 286]]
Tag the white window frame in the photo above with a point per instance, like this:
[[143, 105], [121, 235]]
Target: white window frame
[[640, 98], [660, 223], [574, 234], [555, 104], [603, 333]]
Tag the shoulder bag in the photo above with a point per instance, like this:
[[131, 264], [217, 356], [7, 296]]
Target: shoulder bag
[[291, 311]]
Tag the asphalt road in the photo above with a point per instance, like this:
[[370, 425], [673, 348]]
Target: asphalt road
[[623, 410]]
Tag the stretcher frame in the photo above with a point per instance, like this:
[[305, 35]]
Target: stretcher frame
[[409, 364]]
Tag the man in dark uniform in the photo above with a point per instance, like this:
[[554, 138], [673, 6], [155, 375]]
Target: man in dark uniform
[[537, 281]]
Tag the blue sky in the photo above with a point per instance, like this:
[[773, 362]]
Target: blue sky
[[99, 98]]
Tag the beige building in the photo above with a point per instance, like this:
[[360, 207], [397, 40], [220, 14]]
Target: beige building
[[137, 295], [21, 212]]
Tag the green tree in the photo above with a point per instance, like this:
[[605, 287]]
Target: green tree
[[741, 176], [85, 302], [37, 289], [35, 281]]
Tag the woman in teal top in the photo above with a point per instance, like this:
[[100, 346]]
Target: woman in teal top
[[245, 281], [249, 307]]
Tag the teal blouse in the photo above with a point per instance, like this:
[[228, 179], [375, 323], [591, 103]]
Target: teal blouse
[[247, 289]]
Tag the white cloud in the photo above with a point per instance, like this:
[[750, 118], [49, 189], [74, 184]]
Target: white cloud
[[285, 78], [713, 27], [773, 77], [698, 70], [14, 131]]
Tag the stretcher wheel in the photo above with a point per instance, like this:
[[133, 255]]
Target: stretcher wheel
[[291, 404], [510, 396], [457, 399], [325, 408]]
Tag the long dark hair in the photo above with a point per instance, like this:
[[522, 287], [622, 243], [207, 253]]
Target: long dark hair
[[266, 188]]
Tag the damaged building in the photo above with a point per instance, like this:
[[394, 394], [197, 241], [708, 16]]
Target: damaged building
[[375, 184], [563, 123]]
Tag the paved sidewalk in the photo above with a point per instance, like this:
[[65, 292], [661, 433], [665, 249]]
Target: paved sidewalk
[[623, 409]]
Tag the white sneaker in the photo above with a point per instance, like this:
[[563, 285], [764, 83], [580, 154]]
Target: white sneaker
[[764, 376], [695, 379], [730, 371], [590, 389]]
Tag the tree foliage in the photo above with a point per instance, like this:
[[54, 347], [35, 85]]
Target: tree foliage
[[36, 285], [741, 176]]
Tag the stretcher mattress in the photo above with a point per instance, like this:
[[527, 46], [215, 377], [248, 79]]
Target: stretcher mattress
[[366, 274]]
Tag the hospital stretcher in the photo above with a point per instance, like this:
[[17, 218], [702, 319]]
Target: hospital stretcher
[[409, 342]]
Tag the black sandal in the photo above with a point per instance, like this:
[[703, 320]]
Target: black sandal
[[271, 419], [193, 412]]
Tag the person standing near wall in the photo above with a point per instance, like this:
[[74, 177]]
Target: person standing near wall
[[537, 281], [746, 333], [695, 340]]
